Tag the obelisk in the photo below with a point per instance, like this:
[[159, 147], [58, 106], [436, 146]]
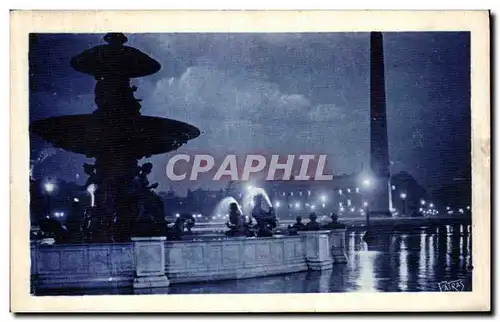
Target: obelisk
[[379, 148]]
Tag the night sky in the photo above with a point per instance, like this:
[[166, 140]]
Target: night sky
[[279, 94]]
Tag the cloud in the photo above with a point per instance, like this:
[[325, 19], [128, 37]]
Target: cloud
[[204, 94], [240, 113]]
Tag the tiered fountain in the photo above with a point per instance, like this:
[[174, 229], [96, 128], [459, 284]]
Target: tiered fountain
[[115, 134]]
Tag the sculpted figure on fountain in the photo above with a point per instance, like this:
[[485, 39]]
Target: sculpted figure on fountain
[[236, 224], [266, 220], [151, 215]]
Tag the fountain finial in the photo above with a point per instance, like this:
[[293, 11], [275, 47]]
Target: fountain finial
[[115, 38]]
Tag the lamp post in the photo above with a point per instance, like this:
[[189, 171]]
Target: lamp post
[[323, 200], [367, 184], [49, 187], [368, 236], [403, 197], [367, 213]]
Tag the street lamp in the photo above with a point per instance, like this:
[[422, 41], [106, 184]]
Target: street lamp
[[403, 197], [59, 214], [323, 198], [49, 187], [367, 182], [422, 202], [277, 204]]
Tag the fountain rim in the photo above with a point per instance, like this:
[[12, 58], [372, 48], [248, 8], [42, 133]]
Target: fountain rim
[[94, 127], [146, 118]]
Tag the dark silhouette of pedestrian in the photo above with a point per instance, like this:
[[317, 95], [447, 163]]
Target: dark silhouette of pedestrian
[[334, 223], [313, 224]]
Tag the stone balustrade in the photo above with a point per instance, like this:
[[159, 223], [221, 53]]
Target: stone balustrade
[[87, 266], [234, 258], [150, 262]]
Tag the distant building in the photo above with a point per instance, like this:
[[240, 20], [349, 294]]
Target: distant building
[[409, 198], [343, 195], [200, 202], [456, 196], [347, 195]]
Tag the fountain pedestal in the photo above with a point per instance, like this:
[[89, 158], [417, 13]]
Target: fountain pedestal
[[150, 262], [318, 250]]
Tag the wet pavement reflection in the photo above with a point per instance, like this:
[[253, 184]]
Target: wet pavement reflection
[[395, 262]]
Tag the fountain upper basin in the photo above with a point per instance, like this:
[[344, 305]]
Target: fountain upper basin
[[94, 134]]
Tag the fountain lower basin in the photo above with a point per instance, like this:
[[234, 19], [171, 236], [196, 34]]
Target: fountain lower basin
[[149, 262]]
